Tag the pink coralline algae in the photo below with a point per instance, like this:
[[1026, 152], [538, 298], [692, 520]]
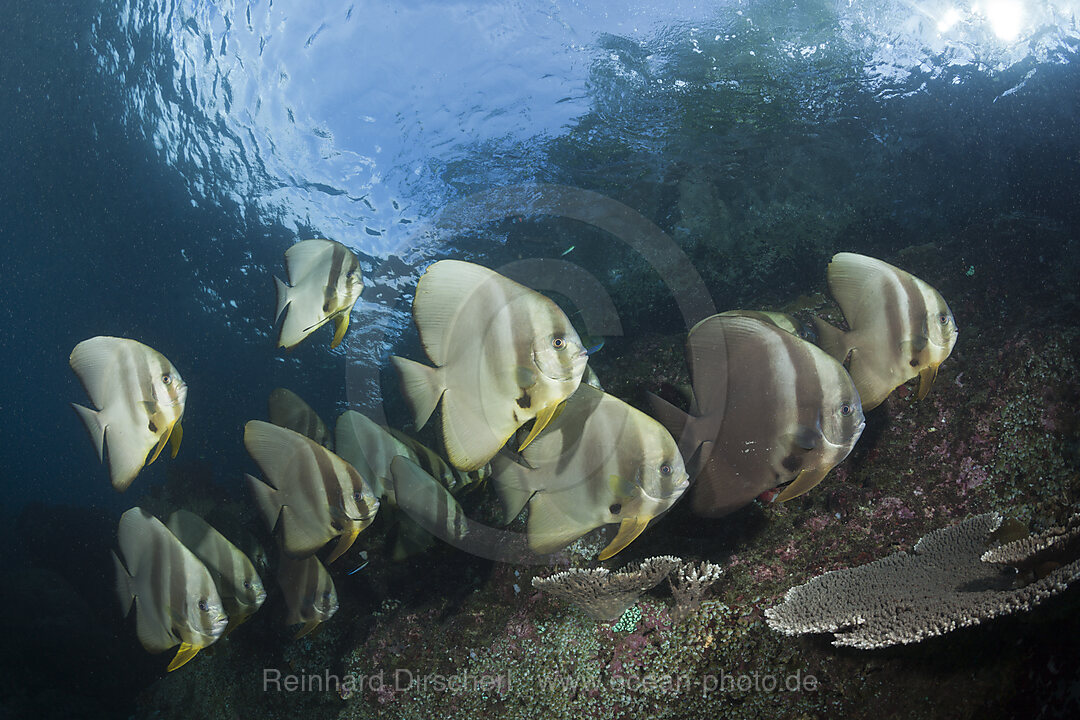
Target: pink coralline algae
[[972, 475], [889, 508]]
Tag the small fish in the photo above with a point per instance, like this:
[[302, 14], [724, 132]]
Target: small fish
[[237, 583], [767, 408], [140, 398], [504, 355], [900, 327], [174, 594], [324, 284], [600, 461], [309, 592], [314, 495], [288, 410]]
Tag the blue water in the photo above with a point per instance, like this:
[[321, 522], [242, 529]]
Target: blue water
[[159, 157]]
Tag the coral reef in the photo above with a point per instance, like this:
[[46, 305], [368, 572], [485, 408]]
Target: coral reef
[[604, 595]]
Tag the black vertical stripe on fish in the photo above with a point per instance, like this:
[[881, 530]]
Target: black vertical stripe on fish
[[330, 482], [893, 318], [160, 558], [337, 260]]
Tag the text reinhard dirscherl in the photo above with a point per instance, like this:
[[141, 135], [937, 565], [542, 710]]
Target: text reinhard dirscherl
[[402, 680]]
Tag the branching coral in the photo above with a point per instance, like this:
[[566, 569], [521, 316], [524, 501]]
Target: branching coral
[[688, 585]]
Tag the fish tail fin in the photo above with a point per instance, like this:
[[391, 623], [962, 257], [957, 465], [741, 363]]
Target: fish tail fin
[[123, 585], [92, 420], [126, 457], [832, 340], [422, 386], [283, 298], [267, 500], [668, 415]]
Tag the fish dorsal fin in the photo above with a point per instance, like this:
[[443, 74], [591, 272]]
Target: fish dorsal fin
[[550, 527], [95, 363], [441, 293], [305, 256], [274, 448], [137, 535], [192, 530], [718, 344], [707, 355], [855, 281]]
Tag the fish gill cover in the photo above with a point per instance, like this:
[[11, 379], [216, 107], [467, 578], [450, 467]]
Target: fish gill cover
[[160, 157]]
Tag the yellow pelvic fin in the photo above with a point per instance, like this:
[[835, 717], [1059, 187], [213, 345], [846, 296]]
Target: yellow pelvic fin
[[158, 448], [175, 437], [543, 417], [344, 543], [308, 627], [341, 324], [803, 482], [185, 653], [926, 380], [629, 529]]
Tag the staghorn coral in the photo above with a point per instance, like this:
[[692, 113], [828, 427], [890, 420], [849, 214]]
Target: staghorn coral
[[688, 585], [606, 595], [949, 581]]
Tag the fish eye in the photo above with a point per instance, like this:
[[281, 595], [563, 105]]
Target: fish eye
[[666, 469], [943, 318], [247, 584], [166, 379], [615, 509], [558, 343], [846, 409], [357, 495], [203, 606]]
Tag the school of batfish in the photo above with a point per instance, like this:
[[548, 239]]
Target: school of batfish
[[520, 410]]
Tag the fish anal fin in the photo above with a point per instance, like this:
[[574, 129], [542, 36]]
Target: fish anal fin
[[183, 655], [804, 482]]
